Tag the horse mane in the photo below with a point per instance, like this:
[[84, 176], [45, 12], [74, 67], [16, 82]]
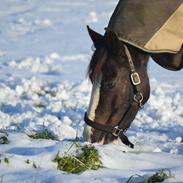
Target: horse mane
[[98, 59]]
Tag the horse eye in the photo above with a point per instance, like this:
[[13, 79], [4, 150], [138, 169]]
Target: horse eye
[[111, 85], [108, 85]]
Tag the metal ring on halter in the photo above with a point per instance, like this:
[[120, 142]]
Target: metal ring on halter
[[139, 98], [117, 131]]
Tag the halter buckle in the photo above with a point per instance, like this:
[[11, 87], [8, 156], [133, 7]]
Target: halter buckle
[[139, 98], [117, 131], [135, 78]]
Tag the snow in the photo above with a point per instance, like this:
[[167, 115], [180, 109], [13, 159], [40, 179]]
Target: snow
[[44, 53]]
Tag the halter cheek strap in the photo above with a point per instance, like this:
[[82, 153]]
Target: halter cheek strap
[[129, 116], [135, 79]]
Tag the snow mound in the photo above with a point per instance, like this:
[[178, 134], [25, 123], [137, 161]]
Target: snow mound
[[46, 65]]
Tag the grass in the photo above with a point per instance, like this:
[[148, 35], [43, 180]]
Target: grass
[[34, 165], [44, 91], [87, 159], [45, 134], [4, 140], [5, 160], [51, 93], [27, 161], [39, 105], [160, 176]]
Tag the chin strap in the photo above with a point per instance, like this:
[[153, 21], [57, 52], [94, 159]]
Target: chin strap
[[129, 116]]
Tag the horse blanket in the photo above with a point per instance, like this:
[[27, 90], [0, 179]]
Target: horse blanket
[[155, 26]]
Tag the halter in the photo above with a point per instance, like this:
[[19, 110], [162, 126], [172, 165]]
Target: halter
[[125, 122]]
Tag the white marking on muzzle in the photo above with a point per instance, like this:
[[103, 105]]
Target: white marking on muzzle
[[94, 101]]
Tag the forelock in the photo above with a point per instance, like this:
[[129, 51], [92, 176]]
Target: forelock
[[97, 61]]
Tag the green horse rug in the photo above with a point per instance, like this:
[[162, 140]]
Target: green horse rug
[[154, 26]]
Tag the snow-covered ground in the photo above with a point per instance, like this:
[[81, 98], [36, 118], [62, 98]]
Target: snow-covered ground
[[44, 53]]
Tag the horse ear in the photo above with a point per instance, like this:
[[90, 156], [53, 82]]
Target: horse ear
[[95, 37], [112, 42]]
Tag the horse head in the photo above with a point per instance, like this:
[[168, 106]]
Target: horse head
[[113, 91]]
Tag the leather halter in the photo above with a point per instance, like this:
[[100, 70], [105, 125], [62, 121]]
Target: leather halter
[[125, 122]]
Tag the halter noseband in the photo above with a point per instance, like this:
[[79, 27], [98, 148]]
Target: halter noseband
[[125, 122]]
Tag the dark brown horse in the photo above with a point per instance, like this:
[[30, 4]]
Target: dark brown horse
[[113, 92], [116, 86], [118, 73]]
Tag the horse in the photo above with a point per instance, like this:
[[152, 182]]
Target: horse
[[118, 72]]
